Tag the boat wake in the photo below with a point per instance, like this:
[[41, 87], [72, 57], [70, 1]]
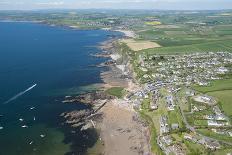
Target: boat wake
[[20, 94]]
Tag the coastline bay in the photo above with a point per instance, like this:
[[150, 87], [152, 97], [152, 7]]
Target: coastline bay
[[57, 59]]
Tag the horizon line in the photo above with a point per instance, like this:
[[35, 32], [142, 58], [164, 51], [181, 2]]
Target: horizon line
[[130, 9]]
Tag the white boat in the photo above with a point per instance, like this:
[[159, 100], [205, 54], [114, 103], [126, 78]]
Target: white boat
[[24, 126], [42, 136], [31, 108], [34, 118], [31, 142], [1, 127], [21, 119]]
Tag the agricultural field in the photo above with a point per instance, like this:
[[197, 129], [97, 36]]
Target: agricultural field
[[190, 33], [214, 46], [137, 45], [218, 85]]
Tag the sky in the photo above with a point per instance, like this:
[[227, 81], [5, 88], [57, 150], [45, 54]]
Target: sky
[[116, 4]]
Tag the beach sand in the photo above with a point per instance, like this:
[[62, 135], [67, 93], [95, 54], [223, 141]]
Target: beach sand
[[128, 33], [121, 133]]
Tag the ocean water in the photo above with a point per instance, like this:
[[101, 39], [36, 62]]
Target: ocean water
[[39, 65]]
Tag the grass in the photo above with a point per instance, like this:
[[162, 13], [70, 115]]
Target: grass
[[200, 122], [175, 117], [153, 141], [153, 23], [222, 152], [116, 91], [213, 46], [222, 90], [218, 85], [146, 115], [195, 149], [209, 133], [225, 98]]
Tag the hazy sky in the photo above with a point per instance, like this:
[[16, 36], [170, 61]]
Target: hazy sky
[[116, 4]]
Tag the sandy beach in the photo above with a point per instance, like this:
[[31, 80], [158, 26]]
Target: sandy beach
[[121, 132], [128, 33]]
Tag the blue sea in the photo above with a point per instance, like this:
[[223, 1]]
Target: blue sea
[[39, 66]]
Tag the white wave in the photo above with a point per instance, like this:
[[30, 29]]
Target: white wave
[[20, 94]]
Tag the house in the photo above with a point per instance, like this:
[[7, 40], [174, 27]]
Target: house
[[164, 128], [215, 123], [213, 145], [190, 92], [154, 104], [170, 103], [188, 136], [175, 126], [222, 70], [166, 139], [177, 149], [205, 99]]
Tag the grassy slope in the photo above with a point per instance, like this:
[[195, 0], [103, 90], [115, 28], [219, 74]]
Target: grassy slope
[[147, 115], [116, 91]]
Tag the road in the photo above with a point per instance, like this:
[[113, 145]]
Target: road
[[191, 128]]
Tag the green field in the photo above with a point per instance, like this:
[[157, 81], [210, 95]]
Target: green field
[[152, 118], [116, 91], [225, 98], [195, 149], [175, 117], [214, 46], [222, 90], [218, 85]]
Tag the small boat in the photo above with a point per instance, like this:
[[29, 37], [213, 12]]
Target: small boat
[[31, 108], [42, 136], [1, 127], [31, 142], [21, 119], [24, 126], [34, 118]]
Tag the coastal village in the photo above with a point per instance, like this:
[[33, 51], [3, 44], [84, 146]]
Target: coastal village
[[167, 81]]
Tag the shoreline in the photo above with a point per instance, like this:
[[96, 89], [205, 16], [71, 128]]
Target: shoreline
[[121, 129]]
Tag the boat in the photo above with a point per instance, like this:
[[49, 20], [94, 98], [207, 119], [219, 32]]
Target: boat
[[42, 136], [31, 142], [1, 127], [34, 118], [24, 126], [21, 119], [31, 108]]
